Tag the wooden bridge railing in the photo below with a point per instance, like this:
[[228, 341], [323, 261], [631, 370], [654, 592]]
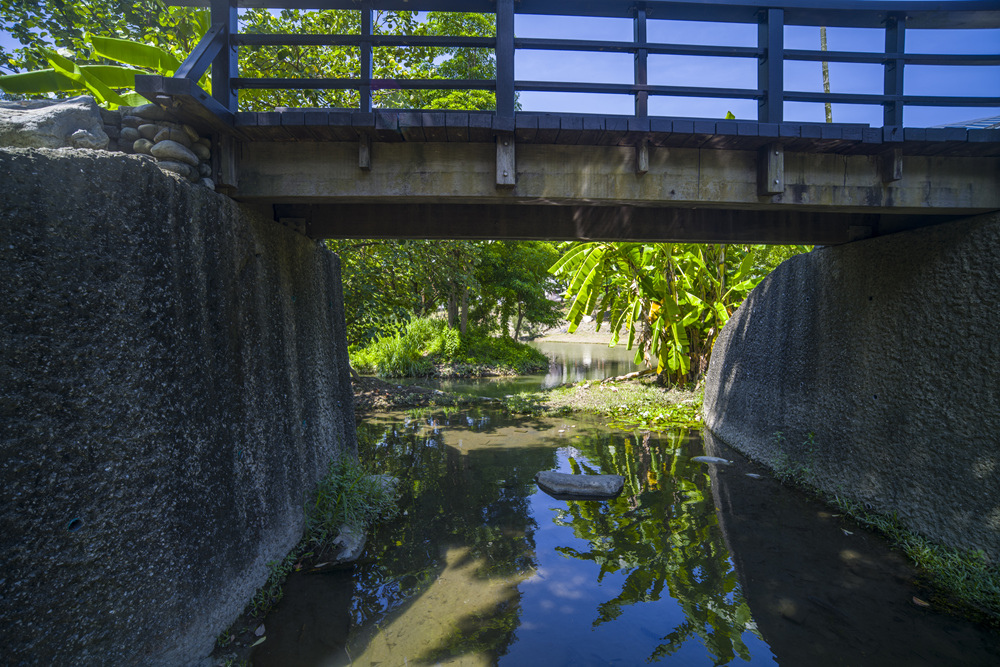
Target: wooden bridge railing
[[219, 47]]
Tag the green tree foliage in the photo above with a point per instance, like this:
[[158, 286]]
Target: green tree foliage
[[387, 62], [670, 299], [517, 285], [65, 25]]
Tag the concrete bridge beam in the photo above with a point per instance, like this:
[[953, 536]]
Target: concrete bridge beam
[[450, 175]]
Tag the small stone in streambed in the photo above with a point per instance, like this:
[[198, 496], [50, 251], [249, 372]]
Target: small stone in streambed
[[171, 150], [142, 146]]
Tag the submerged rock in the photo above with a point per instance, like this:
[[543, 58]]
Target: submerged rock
[[563, 486], [712, 459], [350, 542]]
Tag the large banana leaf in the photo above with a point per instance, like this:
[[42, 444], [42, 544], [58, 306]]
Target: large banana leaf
[[50, 80], [135, 53], [71, 70]]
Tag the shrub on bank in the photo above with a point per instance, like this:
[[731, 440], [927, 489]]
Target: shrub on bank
[[429, 343]]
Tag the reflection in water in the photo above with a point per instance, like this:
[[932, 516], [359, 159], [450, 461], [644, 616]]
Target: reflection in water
[[481, 568], [568, 362]]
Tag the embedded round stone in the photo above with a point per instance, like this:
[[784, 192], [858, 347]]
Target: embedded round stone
[[191, 132], [148, 130], [171, 134], [171, 150], [152, 112], [202, 152], [142, 146], [208, 183], [128, 135], [175, 167], [205, 169]]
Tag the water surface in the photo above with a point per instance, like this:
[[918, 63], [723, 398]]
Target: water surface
[[482, 568], [568, 362]]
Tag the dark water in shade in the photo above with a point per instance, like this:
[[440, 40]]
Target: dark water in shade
[[568, 362], [691, 565]]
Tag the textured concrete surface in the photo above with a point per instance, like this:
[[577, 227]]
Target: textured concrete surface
[[174, 380], [887, 351]]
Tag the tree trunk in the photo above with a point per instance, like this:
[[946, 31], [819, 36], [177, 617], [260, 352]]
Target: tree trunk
[[465, 310], [520, 318], [452, 310]]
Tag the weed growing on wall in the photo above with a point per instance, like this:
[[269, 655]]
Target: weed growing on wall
[[797, 470]]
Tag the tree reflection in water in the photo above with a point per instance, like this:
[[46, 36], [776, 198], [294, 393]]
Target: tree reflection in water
[[661, 532], [467, 538]]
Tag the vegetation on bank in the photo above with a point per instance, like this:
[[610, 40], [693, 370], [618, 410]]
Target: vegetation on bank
[[429, 347], [626, 404], [347, 496]]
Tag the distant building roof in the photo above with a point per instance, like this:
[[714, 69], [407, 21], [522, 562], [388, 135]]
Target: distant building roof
[[992, 123]]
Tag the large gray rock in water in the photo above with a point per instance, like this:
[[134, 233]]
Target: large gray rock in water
[[72, 123], [563, 486]]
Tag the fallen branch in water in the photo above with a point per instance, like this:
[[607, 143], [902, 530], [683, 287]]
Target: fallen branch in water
[[629, 376]]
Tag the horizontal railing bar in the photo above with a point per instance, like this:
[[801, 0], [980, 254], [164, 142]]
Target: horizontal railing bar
[[839, 13], [536, 44], [273, 39], [879, 58], [630, 88], [259, 83], [911, 100]]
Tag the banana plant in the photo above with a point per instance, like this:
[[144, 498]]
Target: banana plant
[[672, 299], [104, 82]]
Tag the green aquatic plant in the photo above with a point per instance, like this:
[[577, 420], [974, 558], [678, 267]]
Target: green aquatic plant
[[348, 495]]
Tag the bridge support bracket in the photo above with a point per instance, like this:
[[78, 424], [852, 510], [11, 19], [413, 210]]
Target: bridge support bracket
[[890, 165], [642, 157], [506, 174], [224, 164], [365, 152], [771, 170]]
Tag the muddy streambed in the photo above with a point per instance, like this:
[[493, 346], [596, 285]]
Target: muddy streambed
[[694, 564]]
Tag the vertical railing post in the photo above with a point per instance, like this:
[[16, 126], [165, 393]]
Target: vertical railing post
[[770, 66], [641, 57], [505, 60], [225, 67], [895, 42], [365, 58]]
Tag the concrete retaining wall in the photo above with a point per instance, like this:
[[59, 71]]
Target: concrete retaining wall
[[888, 352], [174, 380]]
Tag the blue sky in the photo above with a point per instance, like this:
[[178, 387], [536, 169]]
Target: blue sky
[[741, 73]]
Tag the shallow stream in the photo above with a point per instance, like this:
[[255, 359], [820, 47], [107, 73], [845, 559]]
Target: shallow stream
[[694, 564], [568, 362]]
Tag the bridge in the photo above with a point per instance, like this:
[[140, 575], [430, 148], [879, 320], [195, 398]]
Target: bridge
[[398, 173]]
